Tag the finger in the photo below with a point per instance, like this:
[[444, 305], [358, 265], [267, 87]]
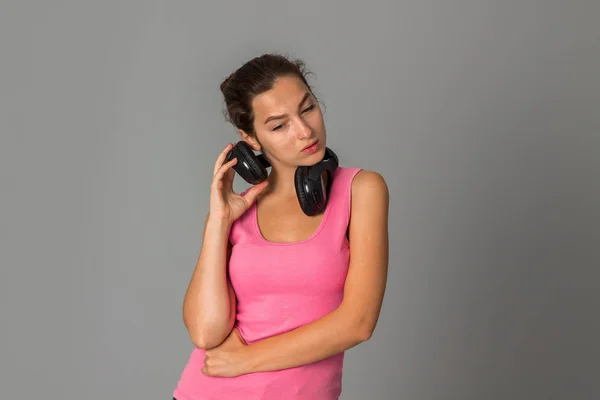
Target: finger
[[223, 169], [229, 177], [254, 191], [221, 158]]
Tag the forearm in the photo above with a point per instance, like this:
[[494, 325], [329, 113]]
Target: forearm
[[209, 305], [323, 338]]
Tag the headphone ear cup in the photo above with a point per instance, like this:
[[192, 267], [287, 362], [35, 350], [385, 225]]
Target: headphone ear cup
[[311, 189], [248, 165], [310, 193], [303, 197]]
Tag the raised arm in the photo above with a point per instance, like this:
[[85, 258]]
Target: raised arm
[[353, 322], [209, 306]]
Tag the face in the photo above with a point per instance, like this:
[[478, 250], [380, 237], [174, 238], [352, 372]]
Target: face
[[287, 120]]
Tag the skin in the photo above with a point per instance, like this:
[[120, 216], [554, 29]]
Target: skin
[[281, 220], [281, 140]]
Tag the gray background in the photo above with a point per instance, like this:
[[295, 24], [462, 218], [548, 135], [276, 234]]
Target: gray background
[[483, 116]]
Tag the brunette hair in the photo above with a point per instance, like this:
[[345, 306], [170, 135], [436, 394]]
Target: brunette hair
[[253, 78]]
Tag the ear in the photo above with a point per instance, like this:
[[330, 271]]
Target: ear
[[251, 140]]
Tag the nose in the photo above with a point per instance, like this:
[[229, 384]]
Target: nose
[[303, 130]]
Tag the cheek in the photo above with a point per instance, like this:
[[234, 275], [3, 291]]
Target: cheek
[[280, 144], [316, 119], [281, 140]]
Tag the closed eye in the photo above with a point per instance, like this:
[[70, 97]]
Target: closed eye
[[307, 109]]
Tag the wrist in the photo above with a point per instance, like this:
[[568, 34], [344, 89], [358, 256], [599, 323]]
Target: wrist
[[219, 224], [249, 360]]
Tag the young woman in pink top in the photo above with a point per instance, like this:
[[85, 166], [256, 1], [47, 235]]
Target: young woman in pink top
[[292, 271]]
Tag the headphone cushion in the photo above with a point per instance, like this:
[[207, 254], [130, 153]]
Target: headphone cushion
[[248, 156], [305, 200]]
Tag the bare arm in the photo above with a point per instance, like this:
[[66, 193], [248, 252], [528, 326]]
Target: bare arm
[[355, 319], [209, 304]]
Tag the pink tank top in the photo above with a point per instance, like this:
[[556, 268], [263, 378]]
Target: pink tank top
[[279, 287]]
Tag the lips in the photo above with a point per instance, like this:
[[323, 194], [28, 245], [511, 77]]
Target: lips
[[310, 145]]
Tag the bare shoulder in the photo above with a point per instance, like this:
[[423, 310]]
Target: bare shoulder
[[370, 186]]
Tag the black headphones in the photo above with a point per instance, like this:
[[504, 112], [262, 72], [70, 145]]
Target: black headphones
[[311, 189]]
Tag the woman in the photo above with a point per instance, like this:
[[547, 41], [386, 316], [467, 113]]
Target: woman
[[275, 298]]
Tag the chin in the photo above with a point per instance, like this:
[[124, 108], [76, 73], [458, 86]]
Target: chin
[[312, 159]]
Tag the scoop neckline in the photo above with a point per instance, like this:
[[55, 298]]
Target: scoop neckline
[[260, 236]]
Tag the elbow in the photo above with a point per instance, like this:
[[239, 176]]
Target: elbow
[[206, 337], [364, 330], [364, 334], [203, 341], [360, 325], [198, 340]]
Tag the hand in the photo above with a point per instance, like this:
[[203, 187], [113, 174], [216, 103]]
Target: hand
[[229, 359], [224, 203]]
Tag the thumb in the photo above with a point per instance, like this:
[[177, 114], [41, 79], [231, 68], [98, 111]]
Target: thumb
[[254, 191]]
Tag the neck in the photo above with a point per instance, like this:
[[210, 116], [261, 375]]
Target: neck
[[281, 181]]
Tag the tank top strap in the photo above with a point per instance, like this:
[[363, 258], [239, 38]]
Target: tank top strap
[[339, 205]]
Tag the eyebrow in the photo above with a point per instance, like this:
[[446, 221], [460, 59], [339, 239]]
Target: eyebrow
[[272, 117]]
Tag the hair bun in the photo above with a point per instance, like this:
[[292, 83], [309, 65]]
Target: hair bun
[[252, 78], [224, 84]]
